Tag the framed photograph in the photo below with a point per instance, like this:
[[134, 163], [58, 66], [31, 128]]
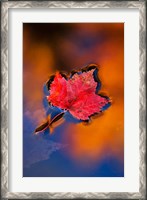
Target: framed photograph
[[73, 100]]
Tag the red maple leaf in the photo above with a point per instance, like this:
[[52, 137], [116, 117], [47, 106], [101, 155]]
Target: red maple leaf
[[77, 94]]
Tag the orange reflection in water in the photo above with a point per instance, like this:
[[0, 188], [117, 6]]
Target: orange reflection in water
[[37, 57], [105, 134]]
